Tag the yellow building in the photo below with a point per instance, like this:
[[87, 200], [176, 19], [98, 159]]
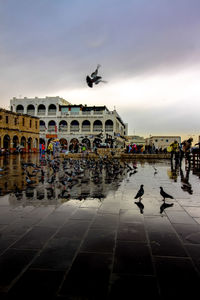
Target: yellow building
[[18, 131]]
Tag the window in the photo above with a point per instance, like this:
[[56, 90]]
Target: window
[[30, 123], [23, 122], [0, 117], [167, 141], [6, 119], [36, 124], [156, 140], [15, 121]]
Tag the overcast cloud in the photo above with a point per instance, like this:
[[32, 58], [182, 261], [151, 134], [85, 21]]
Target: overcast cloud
[[148, 49]]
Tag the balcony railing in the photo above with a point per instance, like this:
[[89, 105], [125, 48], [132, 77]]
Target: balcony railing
[[74, 128], [52, 112], [98, 112], [63, 129], [109, 128], [97, 128], [42, 128], [51, 128], [41, 112], [86, 112], [86, 128], [31, 112], [20, 111]]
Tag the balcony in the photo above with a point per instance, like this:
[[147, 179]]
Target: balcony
[[98, 112], [97, 128], [52, 112], [86, 113], [31, 112], [41, 112], [74, 128], [86, 128], [51, 128], [42, 128], [20, 111], [63, 129], [109, 128]]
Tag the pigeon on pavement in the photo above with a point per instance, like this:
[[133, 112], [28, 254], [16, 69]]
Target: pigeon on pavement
[[140, 193]]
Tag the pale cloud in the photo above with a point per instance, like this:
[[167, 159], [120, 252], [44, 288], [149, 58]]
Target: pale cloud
[[149, 52]]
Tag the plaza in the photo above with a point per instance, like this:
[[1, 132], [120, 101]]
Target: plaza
[[98, 242]]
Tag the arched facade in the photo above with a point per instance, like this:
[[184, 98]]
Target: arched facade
[[31, 109]]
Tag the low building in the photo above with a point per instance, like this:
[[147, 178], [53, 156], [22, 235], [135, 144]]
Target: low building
[[72, 124], [18, 131], [135, 139], [162, 142]]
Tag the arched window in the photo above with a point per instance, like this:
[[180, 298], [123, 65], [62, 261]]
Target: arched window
[[15, 141], [97, 126], [6, 142], [23, 141], [41, 110], [31, 110], [74, 126], [109, 125], [20, 109], [42, 125], [52, 110], [52, 125], [86, 125], [63, 125]]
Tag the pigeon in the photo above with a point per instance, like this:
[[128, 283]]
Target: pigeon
[[165, 195], [93, 78], [165, 205], [141, 206], [140, 192]]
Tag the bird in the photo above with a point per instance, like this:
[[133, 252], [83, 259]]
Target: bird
[[165, 205], [165, 195], [93, 78], [141, 206], [140, 193]]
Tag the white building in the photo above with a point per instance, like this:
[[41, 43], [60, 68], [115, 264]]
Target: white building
[[162, 141], [73, 123]]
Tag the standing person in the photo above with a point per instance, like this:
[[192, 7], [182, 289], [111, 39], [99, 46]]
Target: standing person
[[43, 150], [187, 144], [175, 150]]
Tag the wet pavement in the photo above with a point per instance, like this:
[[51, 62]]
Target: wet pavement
[[94, 240]]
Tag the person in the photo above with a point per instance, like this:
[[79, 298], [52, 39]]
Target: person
[[175, 150], [50, 148], [187, 144], [43, 150]]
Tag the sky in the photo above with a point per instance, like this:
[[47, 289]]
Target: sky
[[149, 52]]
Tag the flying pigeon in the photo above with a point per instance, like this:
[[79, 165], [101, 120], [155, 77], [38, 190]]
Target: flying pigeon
[[94, 78], [164, 195], [140, 193]]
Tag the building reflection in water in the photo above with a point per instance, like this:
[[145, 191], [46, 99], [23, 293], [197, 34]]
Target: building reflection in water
[[92, 182]]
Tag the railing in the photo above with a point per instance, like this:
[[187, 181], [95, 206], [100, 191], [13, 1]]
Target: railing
[[86, 128], [109, 128], [42, 128], [41, 112], [31, 112], [63, 129], [98, 112], [74, 128], [52, 112], [20, 111], [74, 112], [51, 128], [97, 128], [86, 112]]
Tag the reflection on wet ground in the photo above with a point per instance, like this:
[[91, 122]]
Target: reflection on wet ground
[[76, 231]]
